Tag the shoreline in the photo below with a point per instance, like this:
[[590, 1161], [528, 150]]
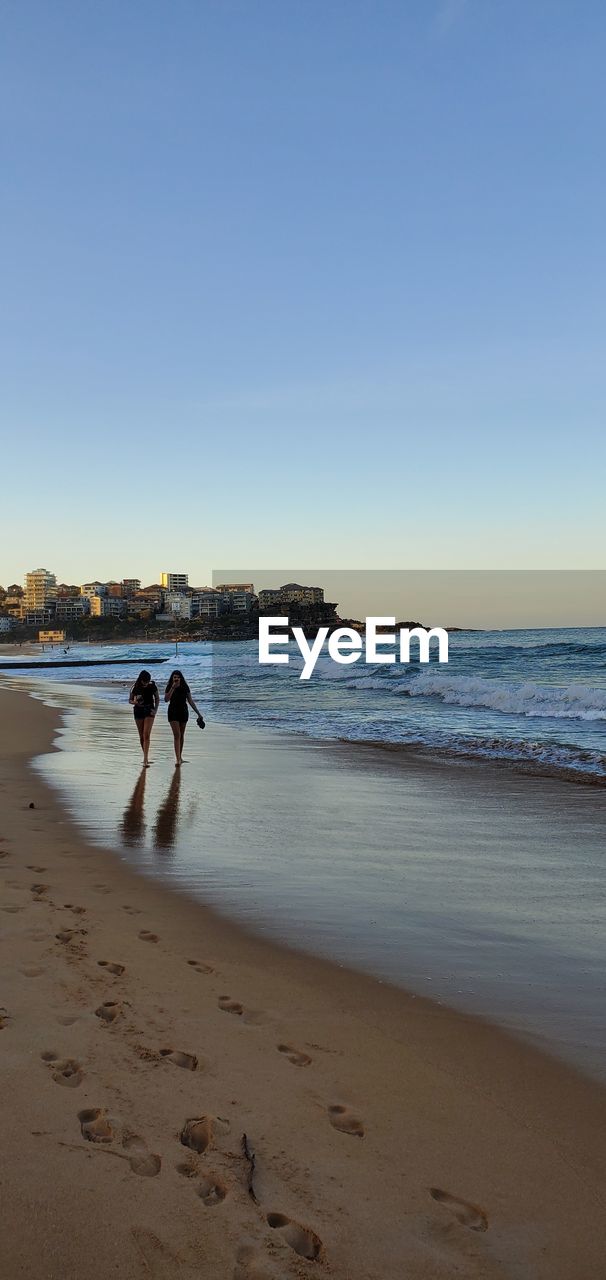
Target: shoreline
[[437, 1093]]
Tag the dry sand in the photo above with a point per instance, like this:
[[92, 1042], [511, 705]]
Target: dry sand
[[136, 1021]]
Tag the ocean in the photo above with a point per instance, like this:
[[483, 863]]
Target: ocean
[[535, 699], [442, 828]]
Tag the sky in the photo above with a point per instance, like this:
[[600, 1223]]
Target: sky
[[301, 281]]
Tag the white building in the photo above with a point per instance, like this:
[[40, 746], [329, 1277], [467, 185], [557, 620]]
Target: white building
[[178, 605], [40, 590], [209, 604]]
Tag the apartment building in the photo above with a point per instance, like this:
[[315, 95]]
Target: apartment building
[[72, 610], [174, 581], [177, 604], [40, 590], [209, 604], [107, 607], [241, 595], [290, 593]]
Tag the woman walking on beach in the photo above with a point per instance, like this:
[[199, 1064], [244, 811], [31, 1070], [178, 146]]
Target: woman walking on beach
[[145, 700], [178, 695]]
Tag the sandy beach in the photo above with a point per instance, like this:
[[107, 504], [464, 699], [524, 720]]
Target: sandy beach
[[142, 1036]]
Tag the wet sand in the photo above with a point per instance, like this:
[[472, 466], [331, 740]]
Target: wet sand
[[392, 1138]]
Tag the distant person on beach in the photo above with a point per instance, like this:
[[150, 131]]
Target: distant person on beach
[[178, 695], [145, 700]]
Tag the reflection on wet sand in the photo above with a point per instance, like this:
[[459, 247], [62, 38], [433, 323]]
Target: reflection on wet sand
[[133, 818], [165, 827]]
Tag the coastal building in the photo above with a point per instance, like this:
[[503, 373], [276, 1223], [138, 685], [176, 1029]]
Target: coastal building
[[70, 610], [209, 604], [51, 637], [290, 593], [13, 602], [174, 581], [131, 586], [177, 605], [197, 604], [91, 589], [7, 623], [240, 596], [40, 590], [107, 607], [38, 617], [137, 608], [240, 601], [152, 595]]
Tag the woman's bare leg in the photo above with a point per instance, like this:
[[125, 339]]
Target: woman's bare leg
[[148, 725], [139, 724], [176, 728], [182, 728]]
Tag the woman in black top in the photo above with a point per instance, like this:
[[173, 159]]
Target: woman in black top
[[145, 700], [178, 695]]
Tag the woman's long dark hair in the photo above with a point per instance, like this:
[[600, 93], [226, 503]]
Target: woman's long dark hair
[[138, 685], [184, 684]]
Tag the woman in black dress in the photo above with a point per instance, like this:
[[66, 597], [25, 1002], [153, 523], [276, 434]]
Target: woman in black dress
[[145, 700], [178, 695]]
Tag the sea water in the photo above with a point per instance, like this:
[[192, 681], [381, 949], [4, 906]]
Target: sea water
[[462, 857]]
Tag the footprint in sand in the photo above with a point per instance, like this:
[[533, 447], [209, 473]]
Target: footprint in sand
[[469, 1215], [12, 910], [188, 1061], [31, 971], [345, 1121], [296, 1056], [251, 1264], [116, 969], [95, 1126], [39, 890], [132, 911], [4, 853], [68, 1019], [200, 967], [109, 1011], [159, 1261], [101, 888], [77, 911], [211, 1189], [146, 1164], [65, 1071], [304, 1242], [146, 936], [230, 1006], [198, 1133], [4, 1017], [68, 935], [31, 866]]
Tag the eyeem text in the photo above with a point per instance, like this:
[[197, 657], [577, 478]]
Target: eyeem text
[[346, 645]]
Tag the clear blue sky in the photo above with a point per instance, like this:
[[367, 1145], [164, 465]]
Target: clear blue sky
[[301, 281]]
